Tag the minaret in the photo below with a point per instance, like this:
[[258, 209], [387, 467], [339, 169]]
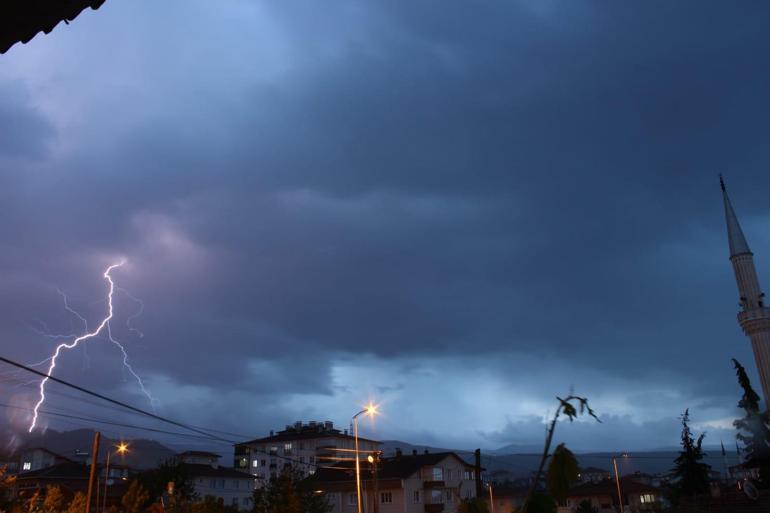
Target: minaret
[[754, 317]]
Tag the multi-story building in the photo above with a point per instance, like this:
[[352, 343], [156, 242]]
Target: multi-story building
[[424, 483], [209, 479], [302, 446]]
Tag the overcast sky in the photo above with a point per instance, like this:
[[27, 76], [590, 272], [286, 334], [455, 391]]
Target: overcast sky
[[459, 209]]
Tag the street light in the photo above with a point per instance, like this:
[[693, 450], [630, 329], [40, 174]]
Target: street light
[[121, 448], [617, 478], [371, 410]]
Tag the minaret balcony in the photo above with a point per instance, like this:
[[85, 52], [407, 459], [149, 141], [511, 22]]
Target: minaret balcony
[[754, 319]]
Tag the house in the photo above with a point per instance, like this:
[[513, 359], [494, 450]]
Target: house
[[593, 475], [235, 488], [70, 476], [424, 483], [301, 446], [603, 495], [38, 457], [506, 498]]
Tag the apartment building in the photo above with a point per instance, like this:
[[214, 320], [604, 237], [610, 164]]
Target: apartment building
[[301, 446]]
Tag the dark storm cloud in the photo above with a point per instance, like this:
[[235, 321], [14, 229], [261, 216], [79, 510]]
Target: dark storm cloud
[[405, 180]]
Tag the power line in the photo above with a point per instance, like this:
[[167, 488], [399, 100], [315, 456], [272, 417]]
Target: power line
[[110, 400]]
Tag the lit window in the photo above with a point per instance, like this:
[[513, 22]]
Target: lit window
[[255, 463], [647, 498], [386, 498], [27, 465], [273, 450], [287, 448]]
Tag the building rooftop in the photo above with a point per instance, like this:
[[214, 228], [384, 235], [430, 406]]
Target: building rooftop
[[305, 431], [65, 470], [21, 20], [396, 467]]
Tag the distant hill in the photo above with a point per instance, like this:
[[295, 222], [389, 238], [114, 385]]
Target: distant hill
[[143, 453], [522, 460]]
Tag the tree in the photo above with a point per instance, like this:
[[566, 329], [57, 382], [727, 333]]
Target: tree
[[541, 502], [585, 506], [78, 503], [567, 408], [135, 499], [475, 505], [690, 473], [562, 473], [155, 482], [753, 428], [6, 483], [54, 501], [290, 492]]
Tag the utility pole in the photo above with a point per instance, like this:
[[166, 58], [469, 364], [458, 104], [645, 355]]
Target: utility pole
[[479, 487], [617, 483], [375, 460], [92, 474]]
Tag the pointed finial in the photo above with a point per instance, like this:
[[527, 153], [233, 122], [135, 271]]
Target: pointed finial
[[721, 182]]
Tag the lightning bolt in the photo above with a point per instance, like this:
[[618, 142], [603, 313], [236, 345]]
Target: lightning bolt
[[104, 326]]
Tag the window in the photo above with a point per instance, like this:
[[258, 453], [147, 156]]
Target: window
[[27, 465], [255, 463], [287, 448], [243, 462], [301, 446], [647, 498], [438, 474], [236, 484], [263, 462], [235, 501], [448, 495], [436, 496], [386, 498], [352, 499], [302, 459], [221, 483], [467, 475], [416, 496], [213, 483], [449, 474], [311, 459], [273, 450]]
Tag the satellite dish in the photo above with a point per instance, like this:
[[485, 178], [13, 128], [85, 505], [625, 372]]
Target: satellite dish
[[750, 489]]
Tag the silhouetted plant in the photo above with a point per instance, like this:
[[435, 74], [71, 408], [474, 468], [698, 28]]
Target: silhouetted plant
[[475, 505], [571, 411], [690, 473], [562, 473], [753, 428], [290, 492]]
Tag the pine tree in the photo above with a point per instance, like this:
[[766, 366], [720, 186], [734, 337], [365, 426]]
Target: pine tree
[[692, 475], [754, 428], [290, 492], [562, 473]]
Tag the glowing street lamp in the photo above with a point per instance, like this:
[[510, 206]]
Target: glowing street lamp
[[371, 410], [122, 449]]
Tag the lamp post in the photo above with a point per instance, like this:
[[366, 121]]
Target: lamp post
[[370, 409], [121, 448]]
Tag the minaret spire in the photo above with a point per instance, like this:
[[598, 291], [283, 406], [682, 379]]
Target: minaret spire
[[735, 237], [754, 316]]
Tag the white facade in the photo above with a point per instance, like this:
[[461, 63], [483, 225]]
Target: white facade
[[209, 479]]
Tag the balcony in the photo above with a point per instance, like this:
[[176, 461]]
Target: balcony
[[433, 484], [434, 508]]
